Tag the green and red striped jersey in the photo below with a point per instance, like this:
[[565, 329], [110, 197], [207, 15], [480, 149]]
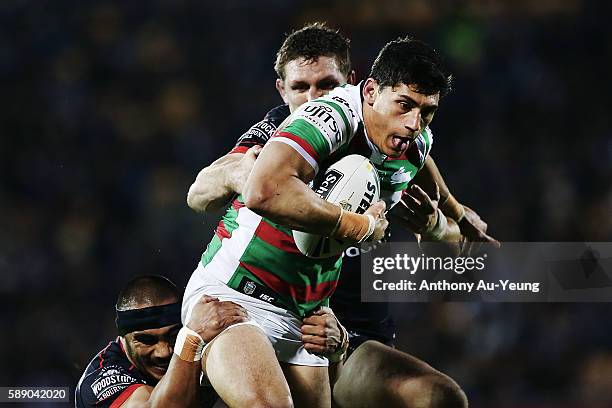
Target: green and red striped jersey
[[247, 245]]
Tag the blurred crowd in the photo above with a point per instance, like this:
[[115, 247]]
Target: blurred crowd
[[109, 109]]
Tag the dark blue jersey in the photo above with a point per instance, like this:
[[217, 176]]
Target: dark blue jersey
[[262, 131], [109, 379]]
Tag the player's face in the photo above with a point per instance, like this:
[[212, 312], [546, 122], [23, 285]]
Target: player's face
[[151, 350], [306, 80], [395, 116]]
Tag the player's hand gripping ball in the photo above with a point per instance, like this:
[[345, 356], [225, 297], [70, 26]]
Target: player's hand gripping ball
[[353, 184]]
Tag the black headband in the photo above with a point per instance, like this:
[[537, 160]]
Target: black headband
[[152, 317]]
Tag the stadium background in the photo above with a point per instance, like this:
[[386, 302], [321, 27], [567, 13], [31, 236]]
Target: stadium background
[[108, 111]]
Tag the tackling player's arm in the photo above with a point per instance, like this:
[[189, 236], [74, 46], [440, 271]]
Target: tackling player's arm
[[323, 334], [428, 177], [216, 184], [472, 227], [419, 213], [179, 387]]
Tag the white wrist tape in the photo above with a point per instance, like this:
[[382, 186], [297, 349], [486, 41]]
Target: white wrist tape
[[462, 214], [371, 226], [338, 222], [440, 228], [189, 345]]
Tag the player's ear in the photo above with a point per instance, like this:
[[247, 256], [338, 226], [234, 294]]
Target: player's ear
[[280, 87], [352, 78], [369, 91]]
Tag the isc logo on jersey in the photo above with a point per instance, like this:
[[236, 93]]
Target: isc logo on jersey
[[351, 182], [325, 118]]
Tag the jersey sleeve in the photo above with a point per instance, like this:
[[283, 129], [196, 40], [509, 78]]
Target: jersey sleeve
[[257, 135], [320, 127], [262, 131], [107, 387]]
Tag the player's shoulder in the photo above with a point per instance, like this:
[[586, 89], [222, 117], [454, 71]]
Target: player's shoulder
[[276, 115], [347, 98], [107, 376], [262, 131], [266, 127], [336, 115]]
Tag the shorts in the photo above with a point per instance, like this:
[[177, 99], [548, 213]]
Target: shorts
[[281, 326]]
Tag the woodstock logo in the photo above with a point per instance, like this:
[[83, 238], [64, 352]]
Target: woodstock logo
[[401, 176]]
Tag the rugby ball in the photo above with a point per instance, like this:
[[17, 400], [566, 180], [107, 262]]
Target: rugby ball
[[353, 184]]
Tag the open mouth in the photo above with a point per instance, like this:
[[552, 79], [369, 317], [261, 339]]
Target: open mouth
[[400, 143]]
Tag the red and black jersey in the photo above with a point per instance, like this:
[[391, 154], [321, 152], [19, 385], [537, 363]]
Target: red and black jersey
[[109, 379]]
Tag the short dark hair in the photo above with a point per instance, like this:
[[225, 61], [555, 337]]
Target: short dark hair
[[311, 42], [145, 291], [411, 61]]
